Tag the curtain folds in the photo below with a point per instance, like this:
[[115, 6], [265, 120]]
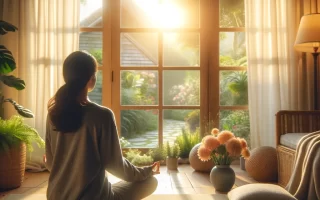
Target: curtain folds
[[274, 76], [48, 32]]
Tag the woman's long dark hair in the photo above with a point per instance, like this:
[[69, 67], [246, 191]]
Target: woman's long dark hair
[[65, 109]]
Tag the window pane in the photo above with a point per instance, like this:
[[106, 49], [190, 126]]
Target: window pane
[[233, 49], [181, 87], [140, 128], [139, 49], [181, 49], [139, 87], [96, 94], [91, 13], [233, 88], [92, 43], [232, 13], [236, 121], [159, 14]]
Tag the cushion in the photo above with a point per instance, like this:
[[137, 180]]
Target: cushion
[[262, 165], [260, 192], [291, 140]]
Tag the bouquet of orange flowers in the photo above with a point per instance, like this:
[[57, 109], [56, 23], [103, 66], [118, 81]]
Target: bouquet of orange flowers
[[222, 147]]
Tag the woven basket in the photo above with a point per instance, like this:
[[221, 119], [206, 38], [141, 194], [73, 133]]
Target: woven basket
[[13, 164]]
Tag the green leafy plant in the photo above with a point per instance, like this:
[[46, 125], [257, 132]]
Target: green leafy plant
[[157, 154], [8, 65], [137, 158], [172, 150], [186, 141], [14, 131]]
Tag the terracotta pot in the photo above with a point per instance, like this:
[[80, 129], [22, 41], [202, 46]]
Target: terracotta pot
[[12, 168], [222, 178], [172, 163]]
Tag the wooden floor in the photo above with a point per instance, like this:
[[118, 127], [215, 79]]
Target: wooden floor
[[183, 181]]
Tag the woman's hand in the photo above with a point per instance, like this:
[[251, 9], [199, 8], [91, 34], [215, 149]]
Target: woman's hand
[[156, 168]]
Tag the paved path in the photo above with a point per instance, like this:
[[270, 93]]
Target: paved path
[[172, 128]]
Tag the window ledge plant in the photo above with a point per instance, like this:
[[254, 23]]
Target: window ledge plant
[[172, 151]]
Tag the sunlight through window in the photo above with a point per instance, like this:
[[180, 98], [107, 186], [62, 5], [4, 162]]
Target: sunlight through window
[[163, 14]]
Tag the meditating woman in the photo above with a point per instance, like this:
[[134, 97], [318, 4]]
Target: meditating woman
[[82, 142]]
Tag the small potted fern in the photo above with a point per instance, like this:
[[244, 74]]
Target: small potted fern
[[172, 152], [15, 135]]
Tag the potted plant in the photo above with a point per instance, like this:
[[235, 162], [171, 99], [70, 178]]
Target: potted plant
[[186, 141], [172, 152], [15, 138], [15, 135], [222, 148]]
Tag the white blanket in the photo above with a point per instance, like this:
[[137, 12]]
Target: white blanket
[[304, 183]]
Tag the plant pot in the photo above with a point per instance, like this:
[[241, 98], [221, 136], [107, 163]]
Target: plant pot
[[172, 163], [222, 178], [242, 163], [12, 168]]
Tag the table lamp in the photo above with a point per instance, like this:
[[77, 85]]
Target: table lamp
[[308, 40]]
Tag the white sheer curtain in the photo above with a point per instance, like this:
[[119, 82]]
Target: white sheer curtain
[[48, 32], [273, 71]]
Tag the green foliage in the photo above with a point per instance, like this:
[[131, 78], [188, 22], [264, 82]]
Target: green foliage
[[238, 122], [220, 156], [138, 88], [97, 53], [7, 65], [193, 120], [172, 150], [234, 88], [14, 131], [232, 13], [137, 122], [186, 141], [124, 142], [157, 154], [138, 159]]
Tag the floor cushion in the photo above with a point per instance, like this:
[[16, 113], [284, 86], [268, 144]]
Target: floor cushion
[[259, 191]]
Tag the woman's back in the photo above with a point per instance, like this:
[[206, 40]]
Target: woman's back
[[76, 160]]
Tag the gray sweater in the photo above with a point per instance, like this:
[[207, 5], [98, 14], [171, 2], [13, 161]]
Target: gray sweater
[[77, 161]]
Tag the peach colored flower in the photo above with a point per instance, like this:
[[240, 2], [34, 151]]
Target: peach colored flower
[[245, 153], [233, 147], [243, 143], [224, 136], [210, 142], [215, 131], [204, 153]]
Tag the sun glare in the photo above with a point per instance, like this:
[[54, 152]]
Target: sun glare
[[89, 7], [164, 15]]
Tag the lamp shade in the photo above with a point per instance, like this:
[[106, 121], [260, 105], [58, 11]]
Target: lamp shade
[[308, 34]]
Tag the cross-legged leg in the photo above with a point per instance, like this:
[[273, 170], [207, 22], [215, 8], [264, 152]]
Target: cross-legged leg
[[134, 190]]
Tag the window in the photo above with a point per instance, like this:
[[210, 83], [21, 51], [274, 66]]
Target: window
[[168, 65]]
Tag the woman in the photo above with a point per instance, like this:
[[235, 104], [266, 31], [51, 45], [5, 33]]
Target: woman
[[82, 142]]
